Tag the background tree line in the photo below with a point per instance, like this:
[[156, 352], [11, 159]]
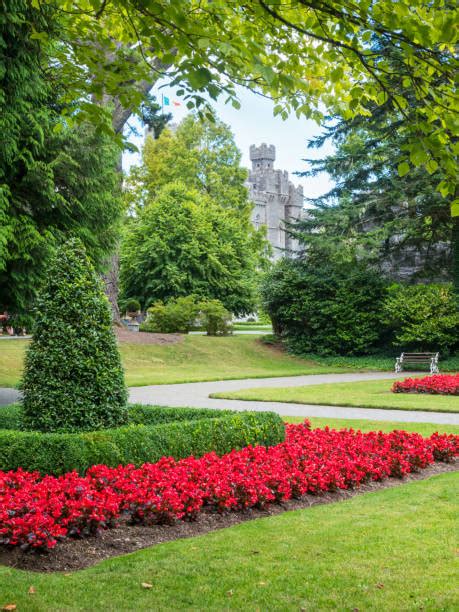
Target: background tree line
[[72, 74]]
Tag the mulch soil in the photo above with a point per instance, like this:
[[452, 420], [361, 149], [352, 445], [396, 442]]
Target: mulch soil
[[124, 335], [75, 554]]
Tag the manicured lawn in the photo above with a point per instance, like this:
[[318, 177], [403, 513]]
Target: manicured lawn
[[11, 361], [368, 394], [390, 550], [254, 327], [196, 358], [425, 429]]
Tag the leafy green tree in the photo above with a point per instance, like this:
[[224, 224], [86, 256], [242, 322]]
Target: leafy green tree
[[184, 242], [422, 317], [306, 55], [73, 378], [201, 154], [70, 188]]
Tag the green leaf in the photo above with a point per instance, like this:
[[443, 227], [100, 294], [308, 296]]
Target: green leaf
[[200, 78], [431, 166], [418, 156], [403, 168], [336, 74]]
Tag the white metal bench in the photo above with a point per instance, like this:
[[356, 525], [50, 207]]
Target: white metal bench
[[417, 359]]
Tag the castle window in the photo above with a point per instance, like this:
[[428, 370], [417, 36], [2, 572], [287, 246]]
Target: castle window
[[257, 222]]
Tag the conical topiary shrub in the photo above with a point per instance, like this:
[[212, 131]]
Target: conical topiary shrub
[[73, 378]]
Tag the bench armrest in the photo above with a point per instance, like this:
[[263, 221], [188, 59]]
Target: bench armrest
[[434, 365]]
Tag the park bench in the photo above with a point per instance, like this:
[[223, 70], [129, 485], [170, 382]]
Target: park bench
[[417, 359]]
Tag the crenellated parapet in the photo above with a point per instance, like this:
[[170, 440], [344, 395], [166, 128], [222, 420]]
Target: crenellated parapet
[[277, 201]]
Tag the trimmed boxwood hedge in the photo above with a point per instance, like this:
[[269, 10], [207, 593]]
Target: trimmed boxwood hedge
[[153, 432]]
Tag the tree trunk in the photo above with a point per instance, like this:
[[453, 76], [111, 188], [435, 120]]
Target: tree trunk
[[455, 248], [110, 279], [120, 116]]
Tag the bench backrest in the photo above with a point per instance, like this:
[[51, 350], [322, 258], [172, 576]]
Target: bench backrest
[[418, 356]]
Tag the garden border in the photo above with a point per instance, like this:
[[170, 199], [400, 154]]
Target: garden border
[[154, 432]]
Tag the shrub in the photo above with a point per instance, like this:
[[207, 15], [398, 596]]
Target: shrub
[[21, 322], [37, 512], [422, 317], [186, 313], [11, 417], [440, 384], [131, 306], [214, 318], [152, 433], [73, 378], [324, 308], [177, 315]]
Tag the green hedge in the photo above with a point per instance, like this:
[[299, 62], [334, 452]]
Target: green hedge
[[154, 432], [10, 417]]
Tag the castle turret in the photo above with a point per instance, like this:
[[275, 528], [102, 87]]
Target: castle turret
[[262, 157], [277, 201]]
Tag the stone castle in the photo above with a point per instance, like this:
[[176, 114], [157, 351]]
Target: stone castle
[[276, 200]]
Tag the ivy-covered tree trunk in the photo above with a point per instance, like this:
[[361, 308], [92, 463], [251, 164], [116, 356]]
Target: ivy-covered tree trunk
[[111, 283], [455, 247], [120, 116]]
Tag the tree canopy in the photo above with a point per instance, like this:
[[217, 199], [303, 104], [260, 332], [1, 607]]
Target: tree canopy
[[202, 154], [307, 55], [98, 59]]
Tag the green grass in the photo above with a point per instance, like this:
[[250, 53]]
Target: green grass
[[377, 362], [390, 550], [425, 429], [365, 394], [251, 327], [200, 358], [196, 358]]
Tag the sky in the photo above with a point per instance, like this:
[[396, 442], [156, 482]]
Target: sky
[[254, 123]]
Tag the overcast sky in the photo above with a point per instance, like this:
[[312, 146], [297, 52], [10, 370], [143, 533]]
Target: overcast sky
[[254, 123]]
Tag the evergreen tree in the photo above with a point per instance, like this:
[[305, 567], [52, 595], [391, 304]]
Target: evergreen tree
[[372, 213], [152, 116], [56, 180], [73, 378]]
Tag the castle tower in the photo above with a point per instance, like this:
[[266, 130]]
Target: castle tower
[[262, 157], [276, 200]]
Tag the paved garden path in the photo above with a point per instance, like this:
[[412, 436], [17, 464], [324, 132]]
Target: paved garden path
[[196, 395]]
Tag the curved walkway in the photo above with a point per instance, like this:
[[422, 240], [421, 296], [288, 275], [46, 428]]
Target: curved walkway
[[196, 395]]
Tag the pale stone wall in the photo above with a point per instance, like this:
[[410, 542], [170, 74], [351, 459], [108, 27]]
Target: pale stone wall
[[276, 199]]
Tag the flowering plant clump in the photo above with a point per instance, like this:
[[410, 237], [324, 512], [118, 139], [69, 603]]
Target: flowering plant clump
[[37, 511], [440, 384]]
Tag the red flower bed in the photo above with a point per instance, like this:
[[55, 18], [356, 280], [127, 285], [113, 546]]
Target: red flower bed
[[37, 511], [442, 384]]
